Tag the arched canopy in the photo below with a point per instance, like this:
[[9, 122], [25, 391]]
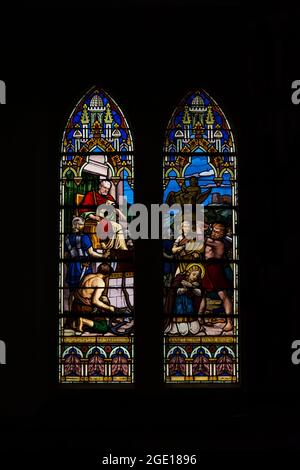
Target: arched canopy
[[198, 123], [97, 118]]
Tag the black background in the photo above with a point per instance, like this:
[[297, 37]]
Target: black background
[[148, 57]]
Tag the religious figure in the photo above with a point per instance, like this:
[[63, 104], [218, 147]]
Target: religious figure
[[215, 279], [88, 211], [90, 299], [191, 194], [183, 302], [79, 252], [187, 246]]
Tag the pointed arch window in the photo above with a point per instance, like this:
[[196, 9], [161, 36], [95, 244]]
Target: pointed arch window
[[96, 276], [201, 263]]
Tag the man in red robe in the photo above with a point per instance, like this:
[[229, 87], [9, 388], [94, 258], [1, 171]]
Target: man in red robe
[[88, 208], [93, 199]]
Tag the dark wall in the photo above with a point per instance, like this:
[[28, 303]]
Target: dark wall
[[148, 58]]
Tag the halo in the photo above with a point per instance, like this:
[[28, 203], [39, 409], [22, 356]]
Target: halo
[[197, 265]]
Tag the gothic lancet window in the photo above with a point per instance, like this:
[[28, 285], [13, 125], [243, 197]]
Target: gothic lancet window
[[201, 262], [96, 298]]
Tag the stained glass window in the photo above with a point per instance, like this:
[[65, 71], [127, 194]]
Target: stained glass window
[[201, 262], [96, 276]]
